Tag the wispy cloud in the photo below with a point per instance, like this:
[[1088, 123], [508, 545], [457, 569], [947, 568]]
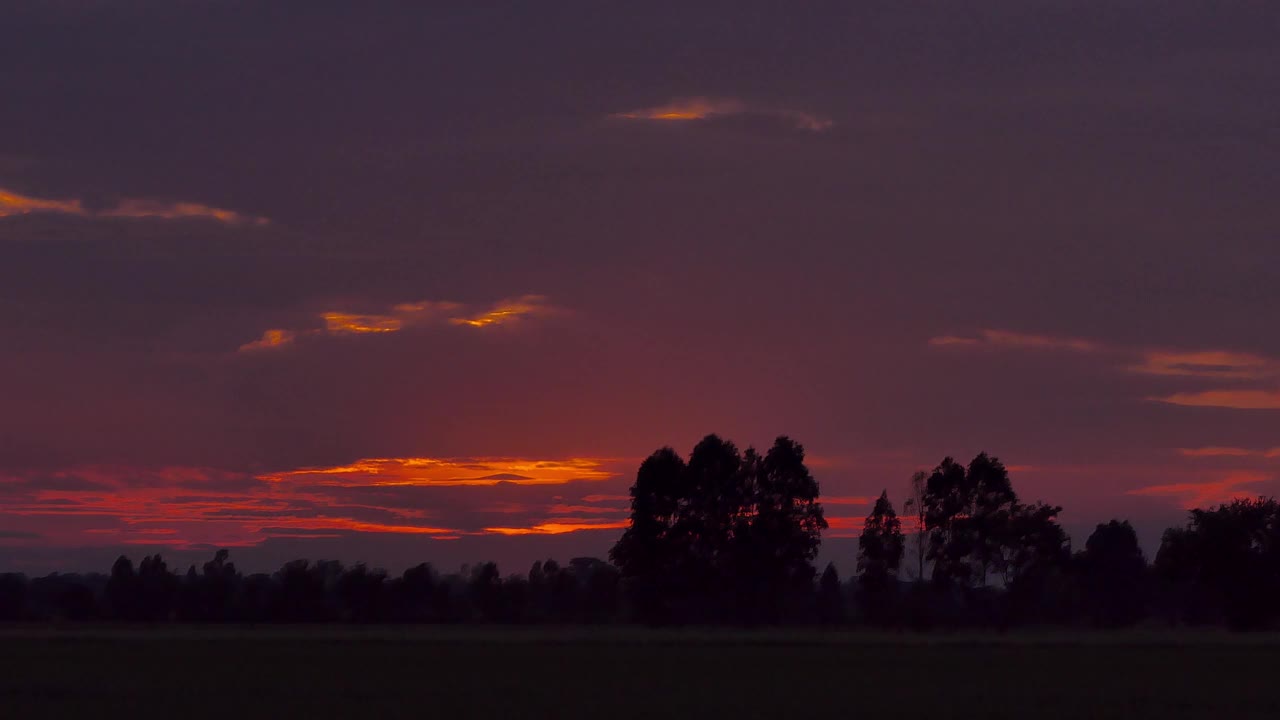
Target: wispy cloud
[[423, 471], [13, 204], [1219, 364], [1205, 494], [440, 498], [131, 208], [558, 528], [506, 311], [270, 339], [404, 316], [1008, 340], [1232, 399], [1237, 368], [1221, 451], [709, 108]]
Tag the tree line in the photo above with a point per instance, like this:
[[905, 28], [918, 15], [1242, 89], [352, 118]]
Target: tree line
[[730, 537]]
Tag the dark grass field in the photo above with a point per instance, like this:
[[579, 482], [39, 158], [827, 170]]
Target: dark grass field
[[299, 672]]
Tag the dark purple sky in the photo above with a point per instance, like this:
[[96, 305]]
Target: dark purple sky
[[405, 281]]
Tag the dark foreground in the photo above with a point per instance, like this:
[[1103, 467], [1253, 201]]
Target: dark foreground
[[453, 673]]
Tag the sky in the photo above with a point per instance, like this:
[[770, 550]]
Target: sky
[[425, 281]]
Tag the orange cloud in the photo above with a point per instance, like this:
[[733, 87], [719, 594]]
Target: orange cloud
[[12, 203], [557, 528], [1203, 494], [453, 472], [1234, 399], [270, 339], [687, 109], [336, 322], [1208, 364], [506, 311], [704, 108], [1004, 339], [1156, 362], [405, 315], [190, 506], [953, 340], [129, 208], [1209, 452]]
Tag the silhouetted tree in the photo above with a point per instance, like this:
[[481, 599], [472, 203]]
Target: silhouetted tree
[[1035, 554], [830, 597], [778, 535], [915, 507], [13, 597], [726, 534], [948, 502], [880, 547], [484, 590], [156, 589], [978, 527], [299, 592], [219, 583], [880, 550], [361, 594], [649, 550], [420, 596], [597, 586], [1226, 563], [1113, 575], [1031, 540], [711, 515], [991, 510], [122, 591]]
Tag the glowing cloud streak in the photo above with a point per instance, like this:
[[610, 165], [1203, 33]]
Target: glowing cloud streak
[[1232, 452], [192, 506], [407, 315], [1203, 494], [1156, 363], [506, 312], [1207, 364], [706, 108], [483, 472], [12, 204], [1007, 340], [1232, 399]]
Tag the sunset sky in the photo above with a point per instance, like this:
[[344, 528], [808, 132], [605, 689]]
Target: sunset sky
[[406, 281]]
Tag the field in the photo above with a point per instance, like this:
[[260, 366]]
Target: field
[[238, 673]]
